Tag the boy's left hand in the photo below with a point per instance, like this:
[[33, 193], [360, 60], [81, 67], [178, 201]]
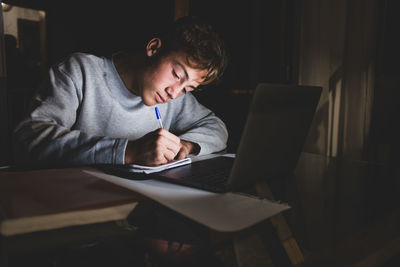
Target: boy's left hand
[[187, 148]]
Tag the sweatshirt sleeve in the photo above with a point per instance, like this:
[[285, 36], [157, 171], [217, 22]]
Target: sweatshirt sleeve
[[46, 137], [198, 124]]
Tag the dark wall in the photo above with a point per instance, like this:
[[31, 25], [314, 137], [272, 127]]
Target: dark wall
[[98, 27], [102, 27], [258, 35], [385, 129], [254, 31]]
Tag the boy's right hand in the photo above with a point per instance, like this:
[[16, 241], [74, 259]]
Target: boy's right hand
[[155, 148]]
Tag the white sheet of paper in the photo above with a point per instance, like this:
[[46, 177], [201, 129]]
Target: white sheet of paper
[[226, 212], [151, 169]]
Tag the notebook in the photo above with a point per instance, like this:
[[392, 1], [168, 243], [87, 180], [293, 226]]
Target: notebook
[[276, 128], [136, 168]]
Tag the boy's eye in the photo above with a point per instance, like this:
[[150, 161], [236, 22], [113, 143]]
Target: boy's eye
[[174, 74]]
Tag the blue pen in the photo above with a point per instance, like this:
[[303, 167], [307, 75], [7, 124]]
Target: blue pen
[[158, 115]]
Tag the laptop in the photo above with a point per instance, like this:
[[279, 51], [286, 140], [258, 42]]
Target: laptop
[[276, 128]]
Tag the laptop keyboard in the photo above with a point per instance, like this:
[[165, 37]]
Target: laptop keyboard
[[216, 182], [210, 174]]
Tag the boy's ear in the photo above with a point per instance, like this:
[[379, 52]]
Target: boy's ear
[[152, 46]]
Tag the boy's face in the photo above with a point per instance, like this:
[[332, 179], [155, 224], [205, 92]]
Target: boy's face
[[169, 79]]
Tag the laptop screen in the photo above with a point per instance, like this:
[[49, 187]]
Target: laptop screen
[[275, 131]]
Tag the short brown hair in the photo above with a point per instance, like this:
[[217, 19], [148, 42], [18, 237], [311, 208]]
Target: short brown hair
[[203, 46]]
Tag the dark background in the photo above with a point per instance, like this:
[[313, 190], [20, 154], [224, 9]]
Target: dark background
[[258, 36], [261, 39]]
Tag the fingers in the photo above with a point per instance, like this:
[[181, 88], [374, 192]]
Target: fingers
[[155, 148], [187, 148], [167, 146], [170, 136], [168, 141], [183, 152], [164, 155]]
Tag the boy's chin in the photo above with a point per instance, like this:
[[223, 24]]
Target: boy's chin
[[149, 101], [149, 104]]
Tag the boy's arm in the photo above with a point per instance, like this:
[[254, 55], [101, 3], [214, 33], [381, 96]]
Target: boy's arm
[[199, 125], [45, 136]]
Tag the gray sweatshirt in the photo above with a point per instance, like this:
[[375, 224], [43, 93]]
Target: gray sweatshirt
[[83, 114]]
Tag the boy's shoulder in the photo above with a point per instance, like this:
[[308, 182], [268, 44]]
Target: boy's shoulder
[[79, 61], [80, 58]]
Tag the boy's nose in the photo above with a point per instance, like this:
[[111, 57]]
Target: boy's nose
[[174, 91]]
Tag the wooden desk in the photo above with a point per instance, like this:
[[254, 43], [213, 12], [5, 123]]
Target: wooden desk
[[58, 207], [38, 200], [45, 212]]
